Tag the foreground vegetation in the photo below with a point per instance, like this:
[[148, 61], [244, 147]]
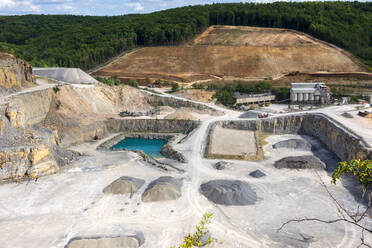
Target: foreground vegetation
[[87, 41]]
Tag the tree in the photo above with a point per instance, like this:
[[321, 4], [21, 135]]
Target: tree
[[175, 87], [362, 170], [200, 237]]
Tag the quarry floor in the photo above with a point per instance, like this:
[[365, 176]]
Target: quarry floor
[[54, 209]]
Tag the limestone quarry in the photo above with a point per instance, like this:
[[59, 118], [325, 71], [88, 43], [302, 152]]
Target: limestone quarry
[[63, 185]]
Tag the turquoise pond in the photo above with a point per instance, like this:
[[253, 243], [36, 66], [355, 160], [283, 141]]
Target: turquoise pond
[[151, 147]]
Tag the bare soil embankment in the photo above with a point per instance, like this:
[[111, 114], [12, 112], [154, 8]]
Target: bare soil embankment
[[230, 53]]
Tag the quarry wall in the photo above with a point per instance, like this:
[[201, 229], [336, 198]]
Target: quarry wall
[[14, 73], [341, 141]]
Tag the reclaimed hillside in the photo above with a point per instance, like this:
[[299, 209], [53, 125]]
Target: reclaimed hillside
[[230, 53]]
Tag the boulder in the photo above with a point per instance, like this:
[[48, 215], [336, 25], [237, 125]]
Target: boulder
[[124, 185], [163, 189], [257, 174], [230, 193], [293, 144], [221, 165], [300, 162]]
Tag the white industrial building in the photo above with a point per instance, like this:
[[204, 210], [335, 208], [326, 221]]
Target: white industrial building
[[309, 93]]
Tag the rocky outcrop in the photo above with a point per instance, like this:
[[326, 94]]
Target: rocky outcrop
[[31, 154], [14, 73], [343, 142]]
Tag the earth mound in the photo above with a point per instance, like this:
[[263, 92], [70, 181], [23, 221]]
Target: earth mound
[[221, 165], [163, 189], [104, 242], [300, 162], [181, 115], [293, 144], [124, 185], [229, 193], [257, 174]]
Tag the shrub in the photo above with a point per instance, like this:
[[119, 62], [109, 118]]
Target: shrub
[[175, 87], [133, 83]]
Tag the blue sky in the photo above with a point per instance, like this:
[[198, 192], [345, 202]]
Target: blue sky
[[97, 7]]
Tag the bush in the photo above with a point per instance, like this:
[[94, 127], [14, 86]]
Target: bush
[[175, 87], [109, 81], [133, 83], [56, 89], [198, 86]]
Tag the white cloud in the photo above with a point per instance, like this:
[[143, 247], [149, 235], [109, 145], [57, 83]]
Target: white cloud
[[135, 6]]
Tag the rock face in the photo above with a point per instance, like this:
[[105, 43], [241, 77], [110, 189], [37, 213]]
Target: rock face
[[163, 189], [230, 193], [257, 174], [168, 152], [14, 73], [221, 165], [104, 242], [300, 162], [293, 144], [344, 143], [124, 185]]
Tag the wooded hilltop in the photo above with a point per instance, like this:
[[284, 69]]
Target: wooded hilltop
[[88, 41]]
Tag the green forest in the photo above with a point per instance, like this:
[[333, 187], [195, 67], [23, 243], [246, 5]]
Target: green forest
[[87, 41]]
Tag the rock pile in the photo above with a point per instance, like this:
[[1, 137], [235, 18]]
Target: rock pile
[[257, 174], [124, 185], [300, 162], [221, 165], [230, 193], [163, 189]]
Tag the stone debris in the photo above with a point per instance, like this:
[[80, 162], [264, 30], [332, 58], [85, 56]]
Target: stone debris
[[222, 165], [163, 189], [229, 193], [124, 185], [257, 174], [300, 162]]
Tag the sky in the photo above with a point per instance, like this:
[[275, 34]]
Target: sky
[[98, 7]]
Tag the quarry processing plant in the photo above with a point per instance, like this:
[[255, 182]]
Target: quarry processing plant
[[309, 93]]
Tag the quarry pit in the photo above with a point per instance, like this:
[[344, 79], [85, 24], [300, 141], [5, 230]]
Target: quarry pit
[[62, 185]]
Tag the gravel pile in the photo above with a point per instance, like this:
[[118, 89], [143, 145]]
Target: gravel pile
[[257, 174], [163, 189], [68, 75], [293, 144], [230, 193], [300, 162], [124, 185]]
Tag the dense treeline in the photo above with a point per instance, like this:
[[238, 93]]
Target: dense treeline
[[87, 41]]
